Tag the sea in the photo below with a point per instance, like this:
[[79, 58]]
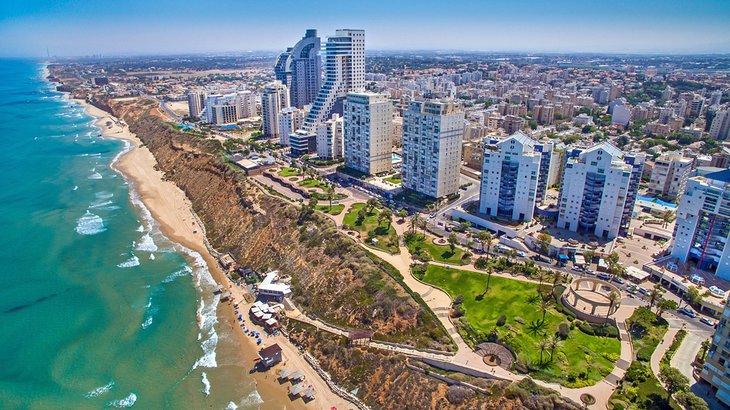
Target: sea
[[98, 309]]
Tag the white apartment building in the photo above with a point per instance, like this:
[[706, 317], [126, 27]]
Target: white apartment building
[[432, 136], [274, 98], [367, 121], [594, 191], [229, 108], [196, 103], [720, 128], [621, 115], [330, 138], [669, 175], [344, 72], [510, 173], [702, 232], [290, 119]]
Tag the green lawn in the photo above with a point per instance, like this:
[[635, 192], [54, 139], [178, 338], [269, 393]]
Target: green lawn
[[323, 196], [647, 331], [580, 359], [387, 238], [288, 172], [394, 179], [335, 210], [419, 243], [312, 183]]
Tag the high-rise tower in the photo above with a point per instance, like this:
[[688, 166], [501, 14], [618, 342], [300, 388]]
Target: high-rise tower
[[300, 69]]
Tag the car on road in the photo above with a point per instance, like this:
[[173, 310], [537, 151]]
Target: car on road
[[577, 268], [604, 276], [521, 254], [617, 280], [643, 290], [707, 321], [689, 312]]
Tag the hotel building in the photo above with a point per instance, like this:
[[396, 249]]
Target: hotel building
[[274, 98], [510, 174], [229, 108], [432, 135], [367, 121], [196, 103], [300, 69], [702, 231]]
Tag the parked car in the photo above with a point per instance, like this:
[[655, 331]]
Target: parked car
[[707, 321], [521, 254], [604, 276], [617, 280], [577, 268], [689, 312], [643, 290]]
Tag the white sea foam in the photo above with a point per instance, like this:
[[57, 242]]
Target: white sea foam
[[231, 406], [147, 322], [130, 263], [104, 195], [95, 175], [124, 403], [206, 384], [177, 274], [76, 187], [253, 399], [152, 256], [146, 244], [90, 224], [100, 390], [100, 204], [141, 228]]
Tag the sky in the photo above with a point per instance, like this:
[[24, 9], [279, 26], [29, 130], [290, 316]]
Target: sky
[[129, 27]]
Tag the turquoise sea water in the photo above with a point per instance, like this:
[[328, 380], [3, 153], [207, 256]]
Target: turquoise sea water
[[97, 308]]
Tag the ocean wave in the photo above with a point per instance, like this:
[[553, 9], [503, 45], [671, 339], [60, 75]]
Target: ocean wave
[[89, 224], [147, 322], [76, 187], [95, 175], [152, 256], [231, 406], [124, 403], [206, 384], [253, 399], [99, 390], [146, 244], [130, 263], [140, 228], [104, 195], [98, 204], [207, 320], [177, 274]]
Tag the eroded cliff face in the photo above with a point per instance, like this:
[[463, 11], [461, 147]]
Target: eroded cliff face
[[332, 276]]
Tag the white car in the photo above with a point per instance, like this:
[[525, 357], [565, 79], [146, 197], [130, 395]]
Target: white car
[[707, 321]]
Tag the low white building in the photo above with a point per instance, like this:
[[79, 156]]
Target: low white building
[[270, 286]]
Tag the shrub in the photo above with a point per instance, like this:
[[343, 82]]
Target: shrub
[[563, 330], [644, 354], [459, 299], [457, 312], [501, 320], [458, 395], [519, 320], [586, 328]]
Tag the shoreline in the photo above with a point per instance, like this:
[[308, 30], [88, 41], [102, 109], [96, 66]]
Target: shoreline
[[171, 209]]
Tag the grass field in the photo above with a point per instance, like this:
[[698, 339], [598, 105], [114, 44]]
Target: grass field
[[395, 179], [313, 183], [335, 210], [579, 360], [387, 239], [442, 253], [288, 172]]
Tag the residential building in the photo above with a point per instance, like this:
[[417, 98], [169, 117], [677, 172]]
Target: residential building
[[512, 123], [715, 97], [621, 115], [302, 142], [432, 135], [510, 172], [702, 230], [196, 103], [330, 138], [550, 162], [367, 122], [471, 154], [274, 98], [290, 119], [716, 369], [720, 128], [593, 195], [669, 175], [300, 69], [344, 72]]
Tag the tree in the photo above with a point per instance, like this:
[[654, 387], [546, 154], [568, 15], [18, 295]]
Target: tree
[[330, 190], [313, 202], [415, 222], [541, 274], [552, 344], [544, 240], [361, 214], [481, 263], [613, 297], [542, 344], [402, 214], [705, 346], [386, 215], [371, 204], [673, 380], [694, 296], [690, 401], [667, 218], [588, 255], [655, 294], [544, 305], [664, 305], [452, 242]]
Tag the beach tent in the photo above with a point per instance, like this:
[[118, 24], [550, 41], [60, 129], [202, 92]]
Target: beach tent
[[299, 376], [294, 390]]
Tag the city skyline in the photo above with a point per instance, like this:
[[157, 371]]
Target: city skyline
[[133, 27]]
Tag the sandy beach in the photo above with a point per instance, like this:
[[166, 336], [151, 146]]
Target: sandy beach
[[172, 210]]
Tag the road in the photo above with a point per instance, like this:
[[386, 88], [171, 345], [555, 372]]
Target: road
[[685, 355], [166, 109]]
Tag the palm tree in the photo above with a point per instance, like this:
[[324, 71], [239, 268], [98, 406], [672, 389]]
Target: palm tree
[[667, 217], [490, 270], [330, 190], [552, 344], [544, 305], [387, 215], [482, 236], [613, 297], [705, 346], [415, 222], [542, 344], [655, 294], [541, 274]]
